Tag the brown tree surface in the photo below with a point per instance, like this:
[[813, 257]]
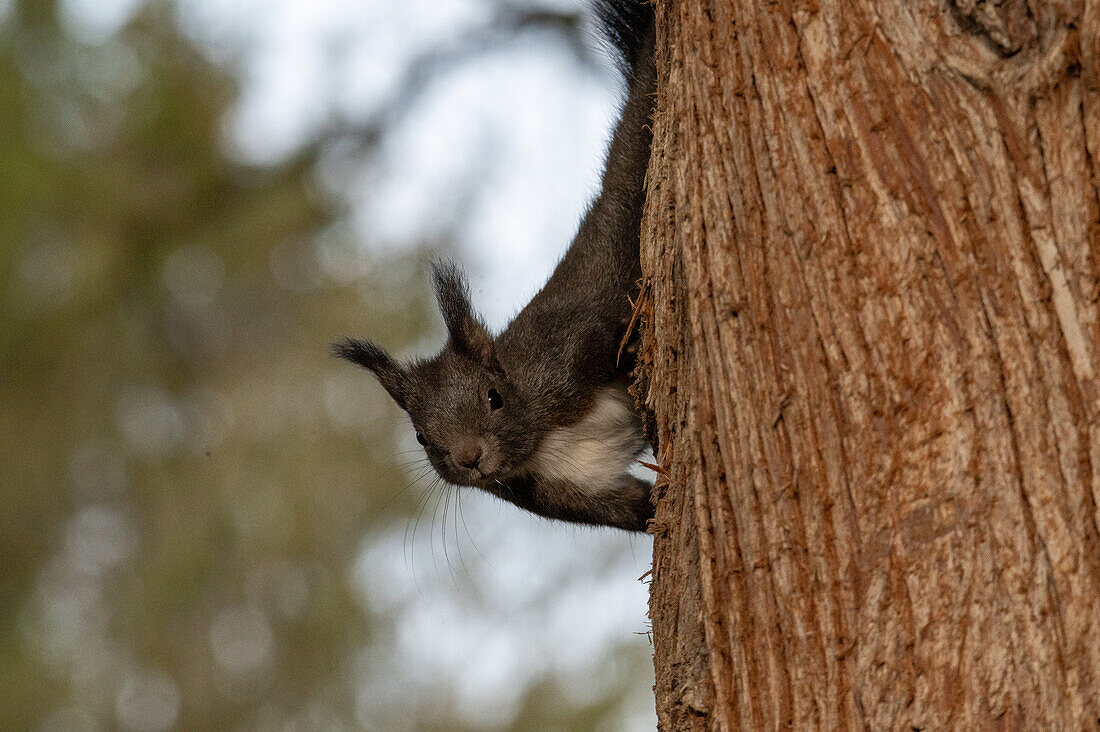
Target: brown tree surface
[[872, 256]]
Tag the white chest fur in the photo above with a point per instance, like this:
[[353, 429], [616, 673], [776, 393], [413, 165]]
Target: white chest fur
[[597, 451]]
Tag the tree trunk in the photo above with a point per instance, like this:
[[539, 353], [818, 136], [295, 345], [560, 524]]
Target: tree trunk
[[872, 258]]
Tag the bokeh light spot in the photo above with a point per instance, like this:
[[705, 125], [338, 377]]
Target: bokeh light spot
[[147, 702], [241, 640]]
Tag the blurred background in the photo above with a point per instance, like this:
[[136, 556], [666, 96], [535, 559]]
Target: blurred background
[[205, 521]]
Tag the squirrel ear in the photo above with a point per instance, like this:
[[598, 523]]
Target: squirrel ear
[[390, 374], [468, 334]]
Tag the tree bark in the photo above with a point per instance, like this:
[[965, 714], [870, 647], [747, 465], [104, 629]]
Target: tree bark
[[872, 259]]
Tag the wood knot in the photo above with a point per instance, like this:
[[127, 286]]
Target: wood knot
[[1004, 26]]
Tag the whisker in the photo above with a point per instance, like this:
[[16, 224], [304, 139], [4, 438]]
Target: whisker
[[508, 488], [420, 475], [435, 512], [458, 516], [419, 448], [414, 522], [465, 528], [443, 533], [458, 537], [402, 465]]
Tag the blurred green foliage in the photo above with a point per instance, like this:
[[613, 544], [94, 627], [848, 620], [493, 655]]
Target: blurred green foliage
[[165, 443]]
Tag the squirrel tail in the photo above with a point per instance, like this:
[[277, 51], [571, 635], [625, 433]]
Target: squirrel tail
[[627, 25]]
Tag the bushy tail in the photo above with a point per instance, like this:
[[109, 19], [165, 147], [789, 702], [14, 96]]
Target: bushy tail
[[626, 24]]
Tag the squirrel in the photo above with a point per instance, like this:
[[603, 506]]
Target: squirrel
[[540, 415]]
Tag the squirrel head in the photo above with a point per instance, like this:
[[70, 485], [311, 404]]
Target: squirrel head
[[471, 420]]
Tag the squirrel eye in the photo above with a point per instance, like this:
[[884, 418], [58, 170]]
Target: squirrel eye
[[495, 402], [421, 440]]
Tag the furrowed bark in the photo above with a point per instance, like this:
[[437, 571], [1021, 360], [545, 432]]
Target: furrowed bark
[[872, 261]]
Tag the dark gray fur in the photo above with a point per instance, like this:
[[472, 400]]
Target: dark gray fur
[[558, 355]]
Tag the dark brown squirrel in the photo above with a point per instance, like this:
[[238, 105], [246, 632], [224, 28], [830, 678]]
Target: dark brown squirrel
[[540, 415]]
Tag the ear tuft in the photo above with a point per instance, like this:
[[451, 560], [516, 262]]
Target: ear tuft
[[373, 357], [468, 334], [364, 353]]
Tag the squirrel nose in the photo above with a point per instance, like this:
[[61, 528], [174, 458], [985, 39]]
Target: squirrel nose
[[468, 454]]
